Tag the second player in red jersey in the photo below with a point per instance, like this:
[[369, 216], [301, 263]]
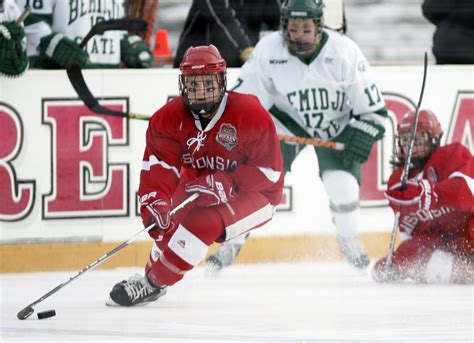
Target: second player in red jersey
[[436, 208], [220, 145]]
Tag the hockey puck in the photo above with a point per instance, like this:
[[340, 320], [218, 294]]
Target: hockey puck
[[46, 314]]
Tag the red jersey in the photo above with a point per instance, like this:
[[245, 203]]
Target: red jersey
[[240, 139], [451, 169]]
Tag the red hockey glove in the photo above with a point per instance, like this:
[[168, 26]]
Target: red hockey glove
[[214, 189], [415, 196], [382, 273], [156, 212]]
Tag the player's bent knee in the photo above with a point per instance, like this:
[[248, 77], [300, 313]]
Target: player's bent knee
[[204, 223], [187, 246], [183, 252], [439, 267], [341, 186]]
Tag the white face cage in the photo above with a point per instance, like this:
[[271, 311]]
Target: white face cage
[[203, 93], [423, 145]]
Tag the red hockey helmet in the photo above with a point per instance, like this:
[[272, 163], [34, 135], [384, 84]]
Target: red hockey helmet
[[203, 81], [427, 137]]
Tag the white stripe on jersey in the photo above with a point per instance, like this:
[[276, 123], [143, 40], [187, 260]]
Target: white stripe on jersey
[[270, 174], [469, 180], [146, 165], [253, 220]]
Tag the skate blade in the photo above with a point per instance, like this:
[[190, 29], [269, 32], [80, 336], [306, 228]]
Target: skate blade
[[110, 302]]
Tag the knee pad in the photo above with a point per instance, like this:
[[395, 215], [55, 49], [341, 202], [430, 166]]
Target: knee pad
[[342, 189], [187, 246], [439, 267], [205, 223], [183, 252]]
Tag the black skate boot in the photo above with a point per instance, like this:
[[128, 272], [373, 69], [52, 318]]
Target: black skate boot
[[137, 290], [351, 248]]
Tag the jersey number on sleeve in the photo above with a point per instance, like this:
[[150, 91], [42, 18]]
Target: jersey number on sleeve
[[373, 92]]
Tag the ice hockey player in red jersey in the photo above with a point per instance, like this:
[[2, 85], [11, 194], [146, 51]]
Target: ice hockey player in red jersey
[[221, 145], [436, 208]]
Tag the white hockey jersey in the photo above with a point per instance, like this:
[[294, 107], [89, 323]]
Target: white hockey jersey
[[74, 19], [317, 97]]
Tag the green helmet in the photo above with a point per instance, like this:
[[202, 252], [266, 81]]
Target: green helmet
[[301, 9]]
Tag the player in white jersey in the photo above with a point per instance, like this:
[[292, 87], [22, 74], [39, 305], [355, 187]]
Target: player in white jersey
[[317, 83], [56, 27], [13, 59]]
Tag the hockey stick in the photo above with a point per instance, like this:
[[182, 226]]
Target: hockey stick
[[74, 72], [23, 15], [312, 141], [137, 25], [406, 166], [28, 310]]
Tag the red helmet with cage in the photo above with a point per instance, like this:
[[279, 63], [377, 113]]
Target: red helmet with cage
[[427, 137], [203, 81]]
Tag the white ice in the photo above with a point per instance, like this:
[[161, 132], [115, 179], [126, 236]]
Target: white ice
[[318, 302]]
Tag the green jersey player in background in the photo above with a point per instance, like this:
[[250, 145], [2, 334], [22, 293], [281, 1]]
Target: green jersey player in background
[[13, 58], [55, 29], [317, 83]]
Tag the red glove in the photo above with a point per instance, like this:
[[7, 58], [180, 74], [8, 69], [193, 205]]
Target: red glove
[[213, 189], [156, 212], [382, 273], [415, 196]]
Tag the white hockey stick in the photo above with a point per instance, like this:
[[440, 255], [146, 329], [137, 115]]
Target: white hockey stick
[[23, 15], [28, 310], [406, 166]]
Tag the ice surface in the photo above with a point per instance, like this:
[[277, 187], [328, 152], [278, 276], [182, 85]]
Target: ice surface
[[319, 302]]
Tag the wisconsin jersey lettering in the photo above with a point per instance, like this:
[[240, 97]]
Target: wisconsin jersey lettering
[[451, 195]]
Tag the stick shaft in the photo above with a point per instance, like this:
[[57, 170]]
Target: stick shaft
[[406, 166], [23, 15], [312, 141]]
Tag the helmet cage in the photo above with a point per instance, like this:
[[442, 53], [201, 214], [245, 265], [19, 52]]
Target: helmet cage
[[427, 137], [423, 146], [211, 101], [197, 65]]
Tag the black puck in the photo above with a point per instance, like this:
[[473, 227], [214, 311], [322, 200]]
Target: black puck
[[46, 314]]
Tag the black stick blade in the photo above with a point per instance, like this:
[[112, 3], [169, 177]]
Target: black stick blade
[[25, 313], [134, 25], [76, 78]]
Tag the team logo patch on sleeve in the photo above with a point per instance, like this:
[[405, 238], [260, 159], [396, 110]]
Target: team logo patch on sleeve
[[227, 136]]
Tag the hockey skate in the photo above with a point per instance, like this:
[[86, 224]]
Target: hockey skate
[[352, 250], [137, 290], [223, 257]]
